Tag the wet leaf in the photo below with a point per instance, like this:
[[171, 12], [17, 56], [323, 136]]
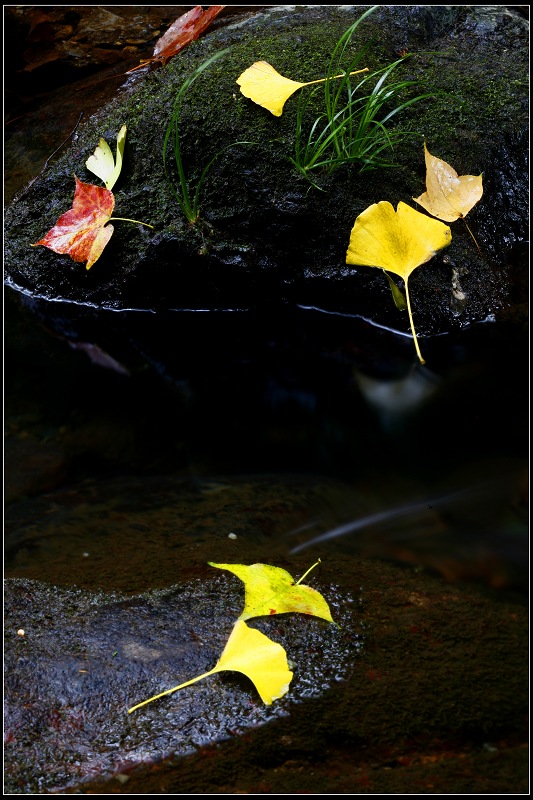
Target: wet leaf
[[448, 196], [184, 30], [397, 295], [397, 241], [103, 165], [255, 655], [266, 87], [271, 590], [82, 232]]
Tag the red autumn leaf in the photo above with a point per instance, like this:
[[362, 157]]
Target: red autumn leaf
[[80, 232], [182, 32]]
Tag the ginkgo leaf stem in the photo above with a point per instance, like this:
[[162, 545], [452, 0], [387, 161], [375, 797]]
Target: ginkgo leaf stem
[[307, 573], [472, 235], [127, 219], [174, 689], [412, 323], [334, 77]]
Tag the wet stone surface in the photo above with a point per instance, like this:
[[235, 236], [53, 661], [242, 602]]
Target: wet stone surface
[[425, 674], [426, 677], [98, 654]]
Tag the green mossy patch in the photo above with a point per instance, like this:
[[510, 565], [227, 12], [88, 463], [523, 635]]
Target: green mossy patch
[[267, 235]]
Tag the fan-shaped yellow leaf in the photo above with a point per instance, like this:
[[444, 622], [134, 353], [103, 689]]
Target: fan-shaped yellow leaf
[[266, 87], [255, 655], [103, 165], [259, 658], [397, 241], [448, 196], [272, 590]]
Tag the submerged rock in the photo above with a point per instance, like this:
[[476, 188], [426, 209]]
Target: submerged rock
[[424, 684], [82, 659], [266, 237]]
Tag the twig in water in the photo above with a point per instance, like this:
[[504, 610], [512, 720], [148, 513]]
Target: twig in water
[[73, 131]]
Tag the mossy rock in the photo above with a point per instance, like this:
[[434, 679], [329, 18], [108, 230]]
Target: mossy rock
[[266, 237]]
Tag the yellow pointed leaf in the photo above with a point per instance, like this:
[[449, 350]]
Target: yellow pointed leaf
[[255, 655], [397, 241], [272, 590], [266, 87], [448, 196], [103, 165]]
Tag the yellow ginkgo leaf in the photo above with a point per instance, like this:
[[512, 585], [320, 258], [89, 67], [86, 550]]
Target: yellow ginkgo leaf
[[255, 655], [272, 590], [259, 658], [448, 196], [103, 165], [397, 241], [266, 87]]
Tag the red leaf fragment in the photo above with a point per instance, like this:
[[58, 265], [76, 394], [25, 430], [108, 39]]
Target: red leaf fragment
[[80, 232], [182, 32]]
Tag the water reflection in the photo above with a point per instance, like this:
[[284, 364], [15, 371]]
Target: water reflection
[[392, 400], [424, 465], [476, 531]]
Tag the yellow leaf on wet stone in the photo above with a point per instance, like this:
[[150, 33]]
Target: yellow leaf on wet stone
[[268, 590], [103, 165], [397, 241], [255, 655], [448, 196], [271, 590], [266, 87]]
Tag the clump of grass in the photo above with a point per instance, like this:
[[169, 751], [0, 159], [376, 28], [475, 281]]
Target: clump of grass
[[187, 197], [353, 128]]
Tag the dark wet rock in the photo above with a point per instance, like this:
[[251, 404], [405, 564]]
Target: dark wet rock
[[266, 237], [97, 655], [111, 577], [424, 684], [57, 44]]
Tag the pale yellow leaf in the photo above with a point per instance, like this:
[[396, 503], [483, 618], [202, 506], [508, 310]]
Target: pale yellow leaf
[[103, 165], [448, 196]]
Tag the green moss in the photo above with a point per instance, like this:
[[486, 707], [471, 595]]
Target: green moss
[[252, 196]]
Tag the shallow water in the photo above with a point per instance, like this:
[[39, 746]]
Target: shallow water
[[434, 450]]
